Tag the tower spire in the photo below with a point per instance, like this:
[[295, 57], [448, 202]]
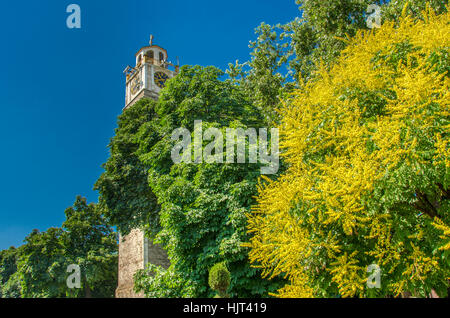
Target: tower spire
[[151, 39]]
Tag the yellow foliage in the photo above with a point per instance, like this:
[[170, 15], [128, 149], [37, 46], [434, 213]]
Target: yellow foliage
[[336, 154], [446, 236], [416, 270]]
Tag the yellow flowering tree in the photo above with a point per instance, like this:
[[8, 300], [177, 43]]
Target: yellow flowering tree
[[367, 148]]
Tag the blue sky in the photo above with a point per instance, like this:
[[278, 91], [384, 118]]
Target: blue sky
[[62, 89]]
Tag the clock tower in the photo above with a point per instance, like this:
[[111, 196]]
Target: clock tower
[[150, 74], [145, 80]]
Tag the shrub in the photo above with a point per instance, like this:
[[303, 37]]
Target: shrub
[[219, 279]]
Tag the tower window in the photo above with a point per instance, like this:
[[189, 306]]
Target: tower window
[[161, 56], [150, 54]]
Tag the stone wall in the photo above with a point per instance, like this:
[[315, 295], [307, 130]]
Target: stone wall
[[135, 252], [130, 260], [145, 93], [155, 254]]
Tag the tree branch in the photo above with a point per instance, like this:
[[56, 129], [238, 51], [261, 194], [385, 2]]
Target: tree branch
[[446, 192], [426, 206]]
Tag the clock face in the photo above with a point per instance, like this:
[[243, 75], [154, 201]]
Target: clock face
[[160, 79], [136, 84]]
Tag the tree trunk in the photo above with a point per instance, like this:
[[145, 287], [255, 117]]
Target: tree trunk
[[87, 290]]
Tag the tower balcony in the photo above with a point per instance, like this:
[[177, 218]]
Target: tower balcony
[[161, 63]]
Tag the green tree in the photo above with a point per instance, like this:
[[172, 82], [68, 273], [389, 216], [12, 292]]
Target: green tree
[[9, 285], [91, 244], [125, 195], [263, 78], [39, 267], [203, 206], [12, 288]]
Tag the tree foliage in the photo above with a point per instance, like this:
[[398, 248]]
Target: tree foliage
[[40, 265], [9, 285], [284, 53], [367, 144], [158, 282], [125, 195], [91, 244], [38, 268]]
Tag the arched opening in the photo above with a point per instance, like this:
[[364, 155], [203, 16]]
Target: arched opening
[[161, 56], [150, 54]]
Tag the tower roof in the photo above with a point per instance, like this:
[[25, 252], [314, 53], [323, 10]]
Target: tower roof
[[151, 46]]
